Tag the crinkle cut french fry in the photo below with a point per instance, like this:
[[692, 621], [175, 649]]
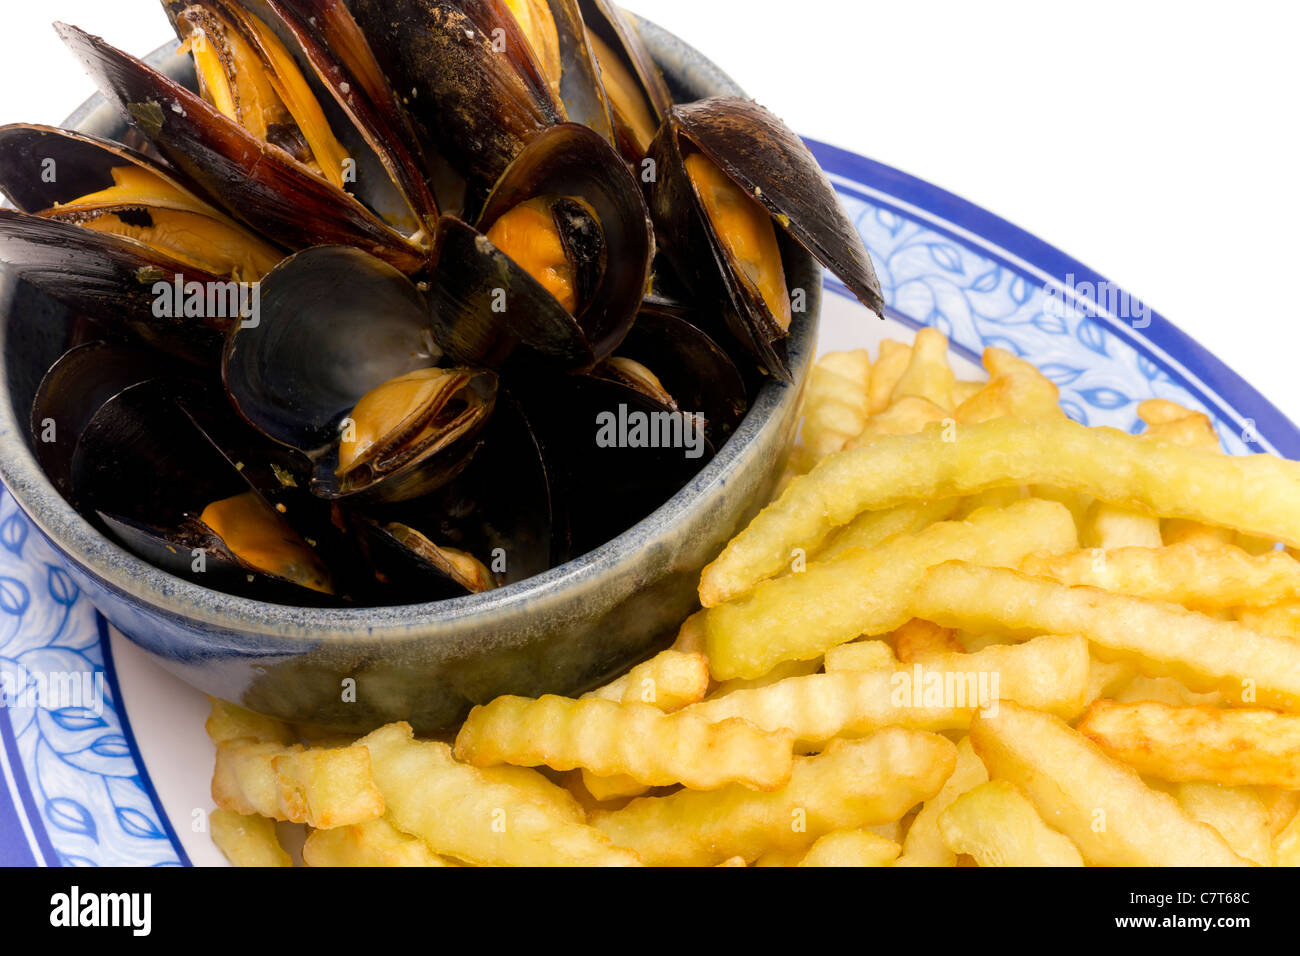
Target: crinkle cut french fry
[[654, 748], [1205, 579], [1101, 805], [374, 843], [928, 375], [1259, 494], [859, 656], [924, 844], [229, 721], [871, 528], [1236, 813], [890, 365], [917, 640], [907, 416], [1016, 389], [851, 848], [322, 788], [942, 693], [668, 681], [853, 784], [690, 636], [836, 407], [1286, 845], [247, 839], [783, 671], [1109, 526], [801, 616], [1163, 639], [1235, 747], [997, 825], [1281, 620], [478, 815]]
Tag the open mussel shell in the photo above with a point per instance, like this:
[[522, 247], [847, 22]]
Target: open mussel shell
[[600, 216], [343, 60], [766, 161], [74, 389], [476, 103], [688, 366], [145, 470], [259, 183], [558, 38], [498, 511], [116, 281], [334, 323], [635, 87], [332, 120], [402, 456]]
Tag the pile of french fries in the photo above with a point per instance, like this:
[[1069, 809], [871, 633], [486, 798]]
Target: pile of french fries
[[968, 631]]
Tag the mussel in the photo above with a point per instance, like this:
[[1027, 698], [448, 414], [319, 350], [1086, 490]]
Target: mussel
[[558, 259], [727, 173]]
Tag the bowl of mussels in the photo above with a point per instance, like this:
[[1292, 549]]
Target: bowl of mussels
[[367, 360]]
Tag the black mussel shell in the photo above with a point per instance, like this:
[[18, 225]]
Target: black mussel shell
[[572, 162], [699, 375], [581, 91], [259, 183], [334, 324], [75, 388], [770, 162], [116, 281], [344, 62], [477, 105], [615, 28]]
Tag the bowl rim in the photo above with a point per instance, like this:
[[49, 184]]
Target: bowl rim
[[140, 583]]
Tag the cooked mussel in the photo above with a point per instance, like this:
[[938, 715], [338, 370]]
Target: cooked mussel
[[558, 259], [343, 367], [467, 75], [254, 179], [727, 173], [109, 446], [638, 96]]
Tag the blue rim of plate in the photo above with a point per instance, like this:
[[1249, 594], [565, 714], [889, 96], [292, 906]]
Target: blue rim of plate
[[73, 787]]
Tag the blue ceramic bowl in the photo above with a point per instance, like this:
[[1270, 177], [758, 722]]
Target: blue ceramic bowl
[[559, 632]]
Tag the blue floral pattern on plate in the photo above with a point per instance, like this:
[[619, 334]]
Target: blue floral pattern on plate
[[92, 798]]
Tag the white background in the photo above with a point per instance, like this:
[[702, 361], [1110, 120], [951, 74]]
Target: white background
[[1154, 141]]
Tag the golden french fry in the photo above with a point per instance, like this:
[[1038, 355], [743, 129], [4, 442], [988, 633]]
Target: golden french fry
[[993, 498], [373, 843], [997, 825], [1016, 389], [1280, 806], [871, 528], [247, 839], [1200, 578], [1236, 813], [851, 848], [1281, 620], [918, 640], [1106, 678], [1101, 805], [668, 681], [690, 637], [942, 693], [924, 844], [653, 748], [906, 416], [859, 656], [835, 408], [1175, 425], [1237, 747], [962, 389], [1163, 639], [734, 861], [481, 816], [852, 784], [1165, 690], [1111, 526], [928, 375], [890, 365], [783, 671], [322, 788], [801, 616], [229, 721], [1259, 494], [1286, 845]]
